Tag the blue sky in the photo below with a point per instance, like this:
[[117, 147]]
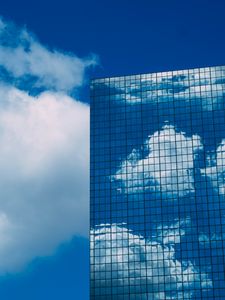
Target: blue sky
[[128, 37]]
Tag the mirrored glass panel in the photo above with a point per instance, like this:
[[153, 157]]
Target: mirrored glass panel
[[158, 186]]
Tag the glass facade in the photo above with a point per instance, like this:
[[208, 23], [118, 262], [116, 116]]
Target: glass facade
[[158, 186]]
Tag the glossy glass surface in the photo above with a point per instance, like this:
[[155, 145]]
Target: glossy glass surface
[[158, 186]]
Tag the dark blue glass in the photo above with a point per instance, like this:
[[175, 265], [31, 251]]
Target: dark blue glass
[[158, 186]]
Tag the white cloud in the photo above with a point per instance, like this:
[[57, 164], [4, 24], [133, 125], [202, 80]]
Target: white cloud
[[205, 86], [44, 162], [172, 234], [216, 170], [23, 56], [44, 149], [168, 168], [148, 269]]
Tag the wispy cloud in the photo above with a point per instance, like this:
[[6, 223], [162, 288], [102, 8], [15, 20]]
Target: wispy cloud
[[205, 86], [24, 58], [44, 158]]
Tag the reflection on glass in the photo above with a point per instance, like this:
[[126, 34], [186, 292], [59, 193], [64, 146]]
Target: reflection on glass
[[158, 186]]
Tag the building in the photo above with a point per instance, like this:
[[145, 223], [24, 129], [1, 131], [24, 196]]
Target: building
[[158, 186]]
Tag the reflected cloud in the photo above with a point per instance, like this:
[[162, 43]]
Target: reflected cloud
[[212, 239], [172, 233], [216, 171], [205, 84], [167, 169], [131, 264]]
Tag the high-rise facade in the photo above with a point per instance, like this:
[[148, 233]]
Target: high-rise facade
[[158, 186]]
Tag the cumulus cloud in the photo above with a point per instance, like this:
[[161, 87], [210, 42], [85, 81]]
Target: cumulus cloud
[[168, 168], [216, 171], [147, 269], [44, 163], [25, 59], [44, 153]]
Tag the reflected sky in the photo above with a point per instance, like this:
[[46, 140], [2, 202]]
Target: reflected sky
[[158, 168]]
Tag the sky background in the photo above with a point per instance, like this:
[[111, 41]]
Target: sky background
[[128, 37]]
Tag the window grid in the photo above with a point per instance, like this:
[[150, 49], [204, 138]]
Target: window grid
[[158, 186]]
